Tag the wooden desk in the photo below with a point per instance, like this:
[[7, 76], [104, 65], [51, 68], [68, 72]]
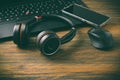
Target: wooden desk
[[77, 60]]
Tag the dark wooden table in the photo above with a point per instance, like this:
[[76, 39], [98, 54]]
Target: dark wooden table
[[77, 60]]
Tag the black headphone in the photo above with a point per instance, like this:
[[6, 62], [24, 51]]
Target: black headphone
[[47, 41]]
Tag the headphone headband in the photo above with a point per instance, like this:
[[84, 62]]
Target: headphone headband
[[38, 19]]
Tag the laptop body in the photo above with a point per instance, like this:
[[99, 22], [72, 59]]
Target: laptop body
[[12, 11]]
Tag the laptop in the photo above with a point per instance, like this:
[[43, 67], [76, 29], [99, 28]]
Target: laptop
[[12, 11]]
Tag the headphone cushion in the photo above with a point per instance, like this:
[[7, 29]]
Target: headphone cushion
[[48, 42], [42, 34], [20, 35], [24, 35], [16, 34]]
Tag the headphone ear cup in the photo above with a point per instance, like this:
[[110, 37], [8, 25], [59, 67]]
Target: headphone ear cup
[[24, 38], [48, 42], [16, 34], [20, 35]]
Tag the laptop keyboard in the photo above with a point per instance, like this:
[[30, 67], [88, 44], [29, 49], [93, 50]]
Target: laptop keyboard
[[40, 7]]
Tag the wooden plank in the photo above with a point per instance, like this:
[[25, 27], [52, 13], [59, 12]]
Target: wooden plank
[[76, 60]]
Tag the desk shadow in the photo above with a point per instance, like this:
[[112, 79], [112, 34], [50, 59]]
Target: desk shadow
[[116, 43], [115, 3], [4, 78]]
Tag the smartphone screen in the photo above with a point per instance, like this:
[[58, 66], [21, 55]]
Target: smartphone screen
[[86, 15]]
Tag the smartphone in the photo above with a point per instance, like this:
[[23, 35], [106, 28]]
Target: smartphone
[[86, 15]]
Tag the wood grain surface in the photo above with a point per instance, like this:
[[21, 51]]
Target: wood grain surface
[[76, 60]]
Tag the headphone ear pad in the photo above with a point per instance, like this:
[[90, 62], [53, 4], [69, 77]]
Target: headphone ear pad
[[16, 34], [24, 38], [48, 42]]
